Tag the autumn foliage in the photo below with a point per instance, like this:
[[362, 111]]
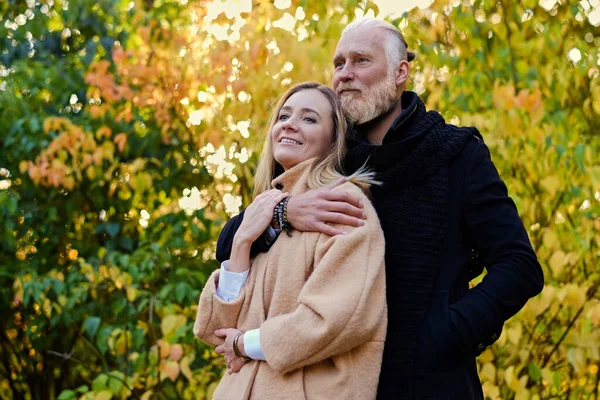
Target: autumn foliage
[[129, 133]]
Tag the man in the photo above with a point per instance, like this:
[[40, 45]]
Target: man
[[441, 198]]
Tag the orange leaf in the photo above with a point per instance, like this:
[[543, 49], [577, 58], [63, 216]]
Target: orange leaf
[[120, 140], [169, 369], [176, 352], [104, 131]]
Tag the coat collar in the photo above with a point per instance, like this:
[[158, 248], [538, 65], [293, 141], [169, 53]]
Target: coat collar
[[294, 180]]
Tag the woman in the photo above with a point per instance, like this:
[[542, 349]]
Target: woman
[[310, 313]]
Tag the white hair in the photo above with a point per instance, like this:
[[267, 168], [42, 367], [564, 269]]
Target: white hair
[[395, 48]]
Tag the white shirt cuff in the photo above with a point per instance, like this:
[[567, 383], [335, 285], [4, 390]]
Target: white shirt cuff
[[252, 345], [230, 283]]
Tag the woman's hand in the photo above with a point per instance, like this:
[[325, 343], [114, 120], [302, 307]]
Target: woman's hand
[[234, 364], [258, 216]]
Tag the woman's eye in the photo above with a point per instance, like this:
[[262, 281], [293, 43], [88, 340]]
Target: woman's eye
[[310, 119], [283, 117]]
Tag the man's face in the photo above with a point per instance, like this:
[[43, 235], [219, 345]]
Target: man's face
[[362, 78]]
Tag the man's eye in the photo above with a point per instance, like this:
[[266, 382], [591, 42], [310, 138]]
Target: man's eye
[[338, 64], [362, 59]]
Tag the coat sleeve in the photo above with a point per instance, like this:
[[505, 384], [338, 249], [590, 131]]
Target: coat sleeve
[[341, 305], [215, 313], [225, 240], [513, 275]]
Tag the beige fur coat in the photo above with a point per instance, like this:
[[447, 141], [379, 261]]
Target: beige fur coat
[[319, 302]]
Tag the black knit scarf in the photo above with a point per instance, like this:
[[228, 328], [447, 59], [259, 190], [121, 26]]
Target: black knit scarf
[[412, 205]]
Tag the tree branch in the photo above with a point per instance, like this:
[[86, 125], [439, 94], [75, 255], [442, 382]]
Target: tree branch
[[69, 356]]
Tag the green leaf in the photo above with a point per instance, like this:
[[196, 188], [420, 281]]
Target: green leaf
[[115, 385], [535, 372], [67, 395], [99, 383], [91, 326], [82, 389], [102, 339], [180, 291], [556, 381], [112, 228]]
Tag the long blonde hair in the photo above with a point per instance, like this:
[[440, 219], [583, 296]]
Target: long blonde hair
[[328, 167]]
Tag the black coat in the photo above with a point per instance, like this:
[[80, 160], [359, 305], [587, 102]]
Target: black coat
[[458, 322]]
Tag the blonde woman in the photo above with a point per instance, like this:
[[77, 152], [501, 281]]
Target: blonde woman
[[307, 319]]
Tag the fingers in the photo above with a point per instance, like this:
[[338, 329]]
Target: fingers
[[344, 197], [345, 209], [221, 333], [329, 230], [276, 199], [220, 349], [343, 219]]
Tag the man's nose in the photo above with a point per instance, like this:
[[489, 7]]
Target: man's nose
[[346, 73]]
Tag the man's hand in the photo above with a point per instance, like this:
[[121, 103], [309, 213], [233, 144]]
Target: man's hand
[[310, 211], [234, 364]]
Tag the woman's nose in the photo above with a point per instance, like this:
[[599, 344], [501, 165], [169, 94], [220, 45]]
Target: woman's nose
[[289, 124]]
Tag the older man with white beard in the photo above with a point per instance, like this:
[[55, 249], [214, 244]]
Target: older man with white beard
[[445, 214]]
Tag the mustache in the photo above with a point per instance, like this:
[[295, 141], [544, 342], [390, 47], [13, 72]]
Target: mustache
[[346, 86]]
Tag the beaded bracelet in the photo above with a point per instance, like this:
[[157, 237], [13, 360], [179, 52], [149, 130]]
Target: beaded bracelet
[[286, 224], [280, 216]]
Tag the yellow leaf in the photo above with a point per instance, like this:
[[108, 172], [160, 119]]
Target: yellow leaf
[[486, 357], [171, 323], [574, 296], [90, 172], [488, 372], [47, 307], [131, 294], [595, 315], [551, 183], [511, 380], [104, 395], [557, 262], [165, 348], [551, 239], [47, 125], [491, 391], [146, 396], [185, 367], [515, 333]]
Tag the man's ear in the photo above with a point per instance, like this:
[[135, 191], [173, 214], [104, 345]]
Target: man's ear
[[401, 73]]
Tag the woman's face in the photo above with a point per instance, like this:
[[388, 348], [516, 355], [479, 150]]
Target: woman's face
[[303, 128]]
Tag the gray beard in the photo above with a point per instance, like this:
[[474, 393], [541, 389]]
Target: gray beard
[[374, 101]]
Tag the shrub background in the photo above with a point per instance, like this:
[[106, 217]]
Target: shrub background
[[129, 132]]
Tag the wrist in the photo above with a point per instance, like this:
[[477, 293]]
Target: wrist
[[290, 210], [241, 346], [238, 347], [242, 242]]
